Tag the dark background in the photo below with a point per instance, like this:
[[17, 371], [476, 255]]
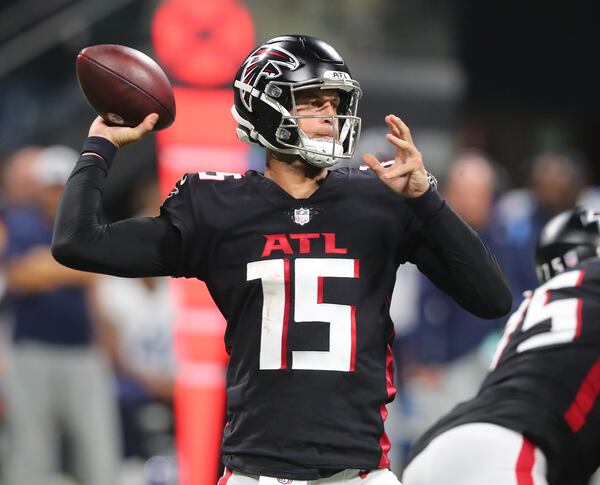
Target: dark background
[[527, 79]]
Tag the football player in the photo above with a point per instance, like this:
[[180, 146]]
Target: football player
[[301, 261], [536, 418]]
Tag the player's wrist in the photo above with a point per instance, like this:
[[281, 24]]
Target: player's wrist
[[100, 146], [420, 183], [428, 204]]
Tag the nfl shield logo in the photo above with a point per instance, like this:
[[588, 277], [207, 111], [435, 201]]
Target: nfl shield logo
[[301, 216]]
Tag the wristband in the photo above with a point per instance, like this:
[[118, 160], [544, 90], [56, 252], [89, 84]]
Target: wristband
[[100, 146]]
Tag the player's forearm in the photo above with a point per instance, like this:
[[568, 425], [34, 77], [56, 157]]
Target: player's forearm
[[453, 256], [132, 247]]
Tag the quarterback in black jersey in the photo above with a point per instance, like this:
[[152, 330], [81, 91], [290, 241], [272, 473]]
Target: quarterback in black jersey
[[536, 418], [301, 261]]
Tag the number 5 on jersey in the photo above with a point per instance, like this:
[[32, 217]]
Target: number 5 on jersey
[[308, 307]]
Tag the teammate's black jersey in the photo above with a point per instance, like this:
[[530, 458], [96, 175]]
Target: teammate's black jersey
[[304, 286], [545, 377]]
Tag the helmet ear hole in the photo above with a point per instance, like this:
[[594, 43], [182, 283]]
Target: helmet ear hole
[[273, 90]]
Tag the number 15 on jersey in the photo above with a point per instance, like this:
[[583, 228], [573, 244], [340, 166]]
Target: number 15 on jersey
[[308, 306]]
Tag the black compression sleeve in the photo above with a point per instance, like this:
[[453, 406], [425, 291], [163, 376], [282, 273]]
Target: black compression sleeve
[[141, 246], [453, 257]]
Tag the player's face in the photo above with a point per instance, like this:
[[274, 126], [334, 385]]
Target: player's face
[[322, 103]]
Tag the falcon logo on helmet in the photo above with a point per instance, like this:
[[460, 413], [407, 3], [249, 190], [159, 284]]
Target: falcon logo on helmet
[[266, 61]]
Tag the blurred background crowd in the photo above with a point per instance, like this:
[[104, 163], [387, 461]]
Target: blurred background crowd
[[502, 101]]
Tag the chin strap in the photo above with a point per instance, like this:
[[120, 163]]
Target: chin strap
[[320, 152]]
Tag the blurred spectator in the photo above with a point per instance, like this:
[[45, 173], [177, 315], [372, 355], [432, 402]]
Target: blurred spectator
[[141, 313], [557, 182], [444, 331], [17, 189], [440, 359], [57, 377], [18, 183]]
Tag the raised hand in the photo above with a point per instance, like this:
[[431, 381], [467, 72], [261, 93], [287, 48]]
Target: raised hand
[[122, 135], [407, 175]]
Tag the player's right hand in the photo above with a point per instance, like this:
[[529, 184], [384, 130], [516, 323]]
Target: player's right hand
[[123, 135]]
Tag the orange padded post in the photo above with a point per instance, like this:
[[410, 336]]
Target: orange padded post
[[200, 44]]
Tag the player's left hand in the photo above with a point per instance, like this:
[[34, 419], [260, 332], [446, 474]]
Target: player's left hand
[[407, 176]]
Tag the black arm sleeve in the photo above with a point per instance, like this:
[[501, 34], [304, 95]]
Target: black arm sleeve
[[454, 258], [141, 246]]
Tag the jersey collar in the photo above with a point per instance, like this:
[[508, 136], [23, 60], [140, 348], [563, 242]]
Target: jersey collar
[[273, 193]]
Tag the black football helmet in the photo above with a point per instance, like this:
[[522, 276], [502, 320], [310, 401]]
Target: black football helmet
[[265, 89], [567, 239]]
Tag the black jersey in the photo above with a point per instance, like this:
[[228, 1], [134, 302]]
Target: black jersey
[[304, 286], [545, 377]]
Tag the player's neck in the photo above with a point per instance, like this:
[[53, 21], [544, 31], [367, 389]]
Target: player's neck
[[296, 177]]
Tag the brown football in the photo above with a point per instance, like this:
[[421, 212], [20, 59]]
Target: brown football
[[124, 85]]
